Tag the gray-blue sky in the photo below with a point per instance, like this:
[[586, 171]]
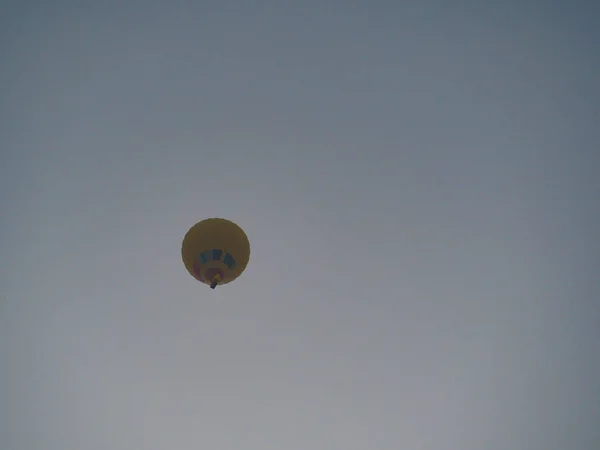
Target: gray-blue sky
[[419, 182]]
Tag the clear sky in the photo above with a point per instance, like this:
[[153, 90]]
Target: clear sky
[[420, 185]]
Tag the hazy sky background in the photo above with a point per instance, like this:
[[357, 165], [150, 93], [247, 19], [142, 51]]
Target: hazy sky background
[[420, 182]]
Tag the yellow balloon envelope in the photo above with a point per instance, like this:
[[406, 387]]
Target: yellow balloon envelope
[[215, 251]]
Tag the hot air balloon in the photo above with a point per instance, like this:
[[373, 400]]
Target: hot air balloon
[[215, 251]]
